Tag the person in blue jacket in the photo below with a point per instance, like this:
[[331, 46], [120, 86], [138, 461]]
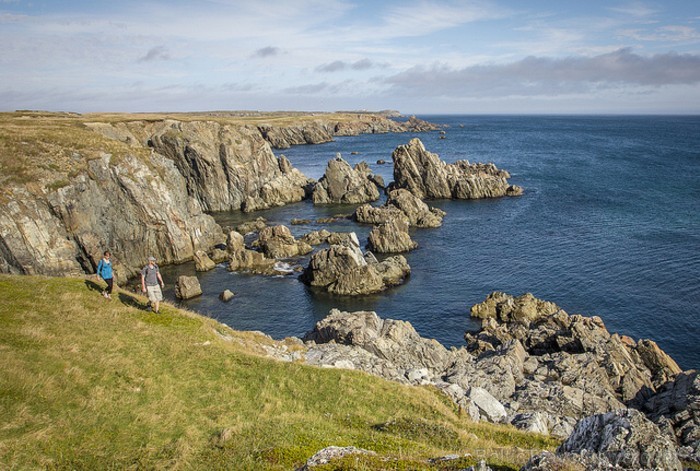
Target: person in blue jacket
[[104, 271]]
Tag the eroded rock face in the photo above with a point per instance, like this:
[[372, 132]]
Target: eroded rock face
[[675, 408], [343, 184], [426, 176], [278, 242], [391, 237], [626, 438], [343, 269], [401, 203]]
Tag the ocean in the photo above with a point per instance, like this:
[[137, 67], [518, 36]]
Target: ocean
[[609, 225]]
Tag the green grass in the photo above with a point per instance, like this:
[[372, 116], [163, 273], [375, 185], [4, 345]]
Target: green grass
[[91, 384]]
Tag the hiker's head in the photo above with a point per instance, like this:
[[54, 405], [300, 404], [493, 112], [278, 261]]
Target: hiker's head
[[152, 260], [107, 254]]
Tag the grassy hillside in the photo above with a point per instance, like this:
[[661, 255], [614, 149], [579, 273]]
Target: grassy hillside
[[87, 383]]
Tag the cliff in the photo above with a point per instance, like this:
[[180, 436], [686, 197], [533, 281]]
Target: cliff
[[142, 185]]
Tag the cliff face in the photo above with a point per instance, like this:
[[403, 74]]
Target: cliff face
[[142, 187]]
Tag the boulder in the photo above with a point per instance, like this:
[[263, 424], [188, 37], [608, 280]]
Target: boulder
[[342, 269], [488, 405], [226, 295], [278, 242], [391, 237], [202, 262], [343, 184], [625, 438], [187, 287], [235, 242], [330, 453], [426, 176]]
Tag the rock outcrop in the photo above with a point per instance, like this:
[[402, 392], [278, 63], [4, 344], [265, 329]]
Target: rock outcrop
[[344, 184], [675, 408], [401, 202], [623, 439], [278, 242], [520, 373], [391, 237], [343, 269], [426, 176]]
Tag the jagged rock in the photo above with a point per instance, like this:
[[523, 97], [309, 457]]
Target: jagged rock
[[391, 237], [278, 242], [226, 295], [576, 351], [369, 214], [330, 453], [235, 242], [219, 255], [675, 408], [343, 184], [288, 187], [202, 262], [626, 438], [252, 226], [480, 466], [316, 237], [253, 261], [187, 287], [401, 203], [535, 422], [342, 269], [391, 340], [426, 176]]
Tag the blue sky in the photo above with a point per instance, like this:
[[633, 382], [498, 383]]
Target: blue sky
[[416, 56]]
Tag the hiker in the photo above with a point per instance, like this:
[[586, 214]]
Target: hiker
[[104, 271], [151, 283]]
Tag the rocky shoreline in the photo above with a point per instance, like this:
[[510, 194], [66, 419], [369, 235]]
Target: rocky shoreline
[[614, 401]]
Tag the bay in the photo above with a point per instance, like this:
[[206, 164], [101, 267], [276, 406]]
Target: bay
[[609, 225]]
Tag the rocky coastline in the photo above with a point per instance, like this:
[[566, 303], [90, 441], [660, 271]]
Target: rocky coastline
[[148, 186], [614, 401], [144, 185]]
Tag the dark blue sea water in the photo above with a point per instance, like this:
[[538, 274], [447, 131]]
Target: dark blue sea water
[[609, 225]]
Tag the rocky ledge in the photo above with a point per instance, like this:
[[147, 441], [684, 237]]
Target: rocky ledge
[[531, 365], [426, 176]]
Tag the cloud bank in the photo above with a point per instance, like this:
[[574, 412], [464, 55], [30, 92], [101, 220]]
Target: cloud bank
[[533, 76]]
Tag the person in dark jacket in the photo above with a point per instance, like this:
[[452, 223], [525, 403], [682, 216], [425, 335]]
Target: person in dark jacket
[[104, 271]]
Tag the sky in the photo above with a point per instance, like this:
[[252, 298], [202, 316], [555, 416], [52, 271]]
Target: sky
[[415, 56]]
